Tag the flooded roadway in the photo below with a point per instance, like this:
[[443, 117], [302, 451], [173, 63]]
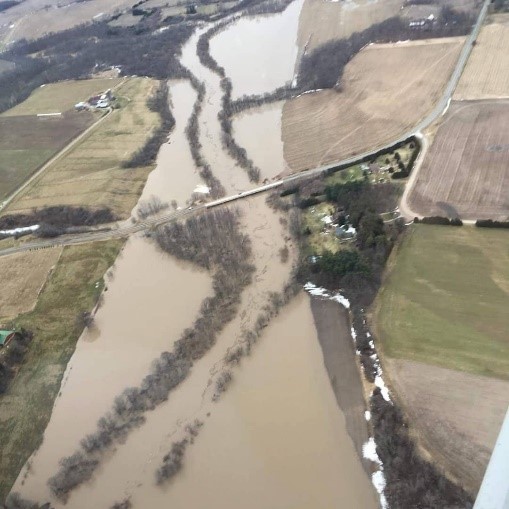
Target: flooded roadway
[[277, 437]]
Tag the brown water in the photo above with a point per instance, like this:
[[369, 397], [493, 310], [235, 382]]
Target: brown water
[[259, 132], [259, 53], [176, 176], [277, 437]]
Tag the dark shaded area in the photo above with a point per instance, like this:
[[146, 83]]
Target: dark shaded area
[[489, 223], [411, 481], [12, 356], [439, 220], [60, 216], [332, 325], [7, 4]]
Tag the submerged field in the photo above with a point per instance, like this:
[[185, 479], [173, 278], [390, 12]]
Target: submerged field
[[442, 320], [386, 89], [73, 287], [90, 174]]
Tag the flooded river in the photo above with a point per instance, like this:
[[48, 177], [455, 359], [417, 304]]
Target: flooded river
[[259, 53], [276, 438]]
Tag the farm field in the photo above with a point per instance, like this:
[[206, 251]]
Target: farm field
[[375, 106], [466, 171], [322, 21], [90, 174], [74, 286], [442, 322], [486, 75], [444, 302], [27, 142], [456, 416], [23, 277], [61, 96]]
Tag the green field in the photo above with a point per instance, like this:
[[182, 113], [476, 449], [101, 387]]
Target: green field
[[25, 409], [445, 301], [60, 97]]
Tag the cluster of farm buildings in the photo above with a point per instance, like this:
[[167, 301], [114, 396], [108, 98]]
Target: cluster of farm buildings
[[96, 102]]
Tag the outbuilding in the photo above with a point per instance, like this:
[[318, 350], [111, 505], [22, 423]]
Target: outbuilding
[[6, 336]]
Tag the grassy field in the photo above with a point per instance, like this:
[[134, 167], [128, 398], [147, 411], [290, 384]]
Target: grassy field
[[23, 276], [445, 300], [375, 106], [25, 409], [60, 97], [90, 174]]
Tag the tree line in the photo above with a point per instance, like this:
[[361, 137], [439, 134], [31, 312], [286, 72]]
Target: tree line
[[58, 217], [158, 103], [12, 357], [324, 67]]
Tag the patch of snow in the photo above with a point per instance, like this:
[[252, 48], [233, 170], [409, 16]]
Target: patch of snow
[[403, 42], [24, 229], [311, 91], [378, 480], [367, 415], [378, 477], [379, 382], [202, 189], [369, 451], [322, 292], [327, 219]]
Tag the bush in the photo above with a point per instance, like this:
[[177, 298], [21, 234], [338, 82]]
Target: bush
[[342, 263], [489, 223], [439, 220]]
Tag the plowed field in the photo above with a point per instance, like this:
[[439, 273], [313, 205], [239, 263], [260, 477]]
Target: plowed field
[[466, 172], [486, 75], [387, 89]]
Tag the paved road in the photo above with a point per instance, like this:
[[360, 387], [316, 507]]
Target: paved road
[[126, 229]]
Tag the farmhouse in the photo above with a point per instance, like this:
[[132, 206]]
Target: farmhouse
[[6, 336]]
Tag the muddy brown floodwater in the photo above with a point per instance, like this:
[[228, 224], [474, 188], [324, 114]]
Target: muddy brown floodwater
[[259, 53], [276, 438]]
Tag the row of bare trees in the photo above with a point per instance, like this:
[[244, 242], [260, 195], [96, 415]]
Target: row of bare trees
[[173, 461], [238, 153], [213, 241], [193, 136], [147, 154]]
